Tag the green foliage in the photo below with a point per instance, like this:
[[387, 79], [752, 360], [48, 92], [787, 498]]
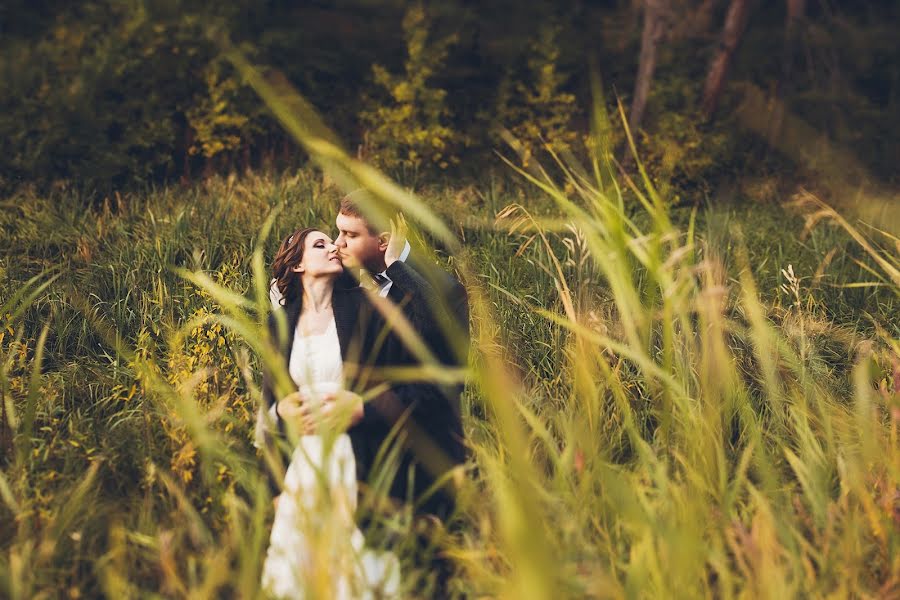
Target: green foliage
[[411, 128], [533, 105], [216, 117], [112, 94], [108, 95], [77, 101], [681, 152]]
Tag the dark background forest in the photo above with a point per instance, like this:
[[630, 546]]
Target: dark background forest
[[112, 95]]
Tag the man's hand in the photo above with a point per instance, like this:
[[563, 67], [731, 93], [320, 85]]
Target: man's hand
[[336, 411], [397, 241], [342, 409], [353, 405]]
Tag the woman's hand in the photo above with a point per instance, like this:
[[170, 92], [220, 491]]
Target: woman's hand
[[298, 412], [292, 407]]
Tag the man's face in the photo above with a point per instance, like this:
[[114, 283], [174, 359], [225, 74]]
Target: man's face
[[359, 247]]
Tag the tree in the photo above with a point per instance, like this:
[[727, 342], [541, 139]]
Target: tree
[[412, 128], [655, 16], [735, 22]]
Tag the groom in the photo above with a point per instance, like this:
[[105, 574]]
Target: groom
[[425, 413]]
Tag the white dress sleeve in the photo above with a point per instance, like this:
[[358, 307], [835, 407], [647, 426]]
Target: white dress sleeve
[[266, 421]]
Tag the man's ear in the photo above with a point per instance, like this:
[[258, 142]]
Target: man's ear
[[384, 239]]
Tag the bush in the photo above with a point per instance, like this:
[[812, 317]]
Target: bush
[[216, 118], [531, 102], [409, 127]]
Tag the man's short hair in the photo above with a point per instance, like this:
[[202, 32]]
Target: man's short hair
[[350, 207]]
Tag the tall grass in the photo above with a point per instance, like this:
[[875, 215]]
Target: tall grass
[[647, 414]]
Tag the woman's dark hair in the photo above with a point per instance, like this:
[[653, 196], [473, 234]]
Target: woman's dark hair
[[289, 255]]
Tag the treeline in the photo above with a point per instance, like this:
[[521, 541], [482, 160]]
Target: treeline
[[106, 94]]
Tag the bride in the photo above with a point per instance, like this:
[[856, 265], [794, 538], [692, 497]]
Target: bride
[[315, 548]]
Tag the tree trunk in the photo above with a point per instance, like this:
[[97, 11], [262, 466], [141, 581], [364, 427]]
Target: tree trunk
[[735, 22], [654, 28]]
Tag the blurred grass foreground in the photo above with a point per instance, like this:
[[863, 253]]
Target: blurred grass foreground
[[662, 402]]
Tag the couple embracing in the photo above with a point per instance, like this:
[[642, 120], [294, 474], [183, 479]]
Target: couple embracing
[[358, 410]]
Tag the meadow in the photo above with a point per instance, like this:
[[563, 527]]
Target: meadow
[[663, 401]]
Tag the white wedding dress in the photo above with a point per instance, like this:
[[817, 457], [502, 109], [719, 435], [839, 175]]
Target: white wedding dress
[[315, 549]]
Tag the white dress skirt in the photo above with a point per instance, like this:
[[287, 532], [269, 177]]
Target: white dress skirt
[[315, 549]]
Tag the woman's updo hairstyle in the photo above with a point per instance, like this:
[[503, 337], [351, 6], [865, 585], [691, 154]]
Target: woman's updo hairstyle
[[289, 255]]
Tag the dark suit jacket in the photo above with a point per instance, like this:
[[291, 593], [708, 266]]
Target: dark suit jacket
[[449, 315], [429, 413]]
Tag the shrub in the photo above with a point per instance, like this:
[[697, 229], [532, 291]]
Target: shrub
[[531, 102], [409, 129], [218, 121]]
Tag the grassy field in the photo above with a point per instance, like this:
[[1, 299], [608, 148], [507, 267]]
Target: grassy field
[[663, 402]]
